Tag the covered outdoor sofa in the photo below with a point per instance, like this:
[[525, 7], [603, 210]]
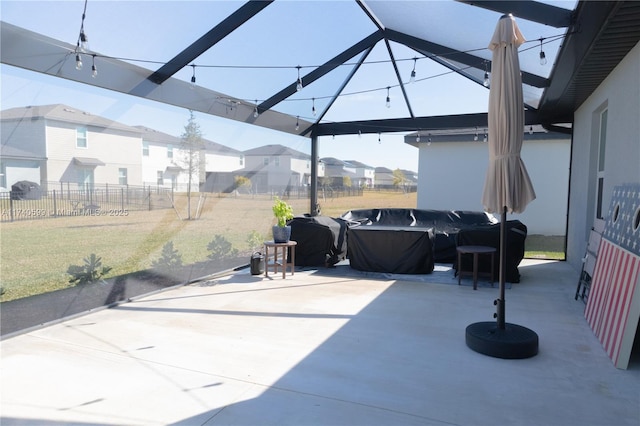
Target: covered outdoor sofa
[[411, 241]]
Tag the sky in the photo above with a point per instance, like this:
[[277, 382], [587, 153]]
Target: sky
[[135, 30]]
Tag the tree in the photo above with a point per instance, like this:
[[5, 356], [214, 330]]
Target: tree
[[399, 179], [242, 182], [192, 146], [346, 181]]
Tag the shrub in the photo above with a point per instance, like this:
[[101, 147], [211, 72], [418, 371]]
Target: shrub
[[255, 240], [221, 248], [90, 272], [169, 260]]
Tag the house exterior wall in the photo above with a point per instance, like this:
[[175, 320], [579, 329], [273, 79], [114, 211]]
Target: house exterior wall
[[452, 176], [619, 93], [223, 163], [114, 148], [28, 137]]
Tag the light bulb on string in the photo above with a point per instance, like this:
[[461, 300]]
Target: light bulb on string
[[475, 137], [84, 40], [94, 70], [543, 57], [359, 133], [313, 106], [388, 103], [379, 137], [299, 81], [418, 136], [412, 79], [297, 122], [255, 110], [78, 62], [485, 137], [530, 130], [193, 77], [486, 81]]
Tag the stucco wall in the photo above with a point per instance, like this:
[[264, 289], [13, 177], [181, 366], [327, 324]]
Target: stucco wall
[[620, 93], [452, 177]]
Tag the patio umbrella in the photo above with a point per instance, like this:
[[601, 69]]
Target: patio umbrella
[[507, 186]]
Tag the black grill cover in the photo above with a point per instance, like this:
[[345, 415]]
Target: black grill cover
[[25, 190], [322, 240]]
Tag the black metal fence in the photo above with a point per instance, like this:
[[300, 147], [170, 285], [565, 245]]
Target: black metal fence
[[106, 200]]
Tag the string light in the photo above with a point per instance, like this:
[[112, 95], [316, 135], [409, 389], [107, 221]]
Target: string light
[[530, 130], [487, 81], [297, 122], [475, 137], [255, 110], [543, 57], [418, 136], [78, 62], [379, 137], [359, 133], [388, 104], [485, 137], [412, 79], [83, 41], [94, 70], [299, 82], [313, 106], [193, 77]]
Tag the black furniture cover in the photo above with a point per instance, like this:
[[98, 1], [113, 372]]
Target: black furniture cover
[[322, 240], [445, 224], [489, 235], [25, 190], [392, 249]]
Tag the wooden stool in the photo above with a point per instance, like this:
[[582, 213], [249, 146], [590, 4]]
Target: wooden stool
[[475, 250], [284, 263]]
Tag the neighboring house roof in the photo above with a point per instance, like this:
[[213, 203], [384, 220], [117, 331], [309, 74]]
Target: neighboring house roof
[[332, 162], [64, 113], [273, 150], [383, 170], [216, 147], [11, 152], [156, 136], [358, 164]]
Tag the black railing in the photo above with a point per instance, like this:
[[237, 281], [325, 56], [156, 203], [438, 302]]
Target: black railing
[[103, 200]]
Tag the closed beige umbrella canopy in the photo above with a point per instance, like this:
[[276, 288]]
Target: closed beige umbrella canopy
[[507, 184]]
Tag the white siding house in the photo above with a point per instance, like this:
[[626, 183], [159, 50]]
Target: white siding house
[[364, 174], [453, 166], [61, 144], [277, 168], [163, 160], [608, 119]]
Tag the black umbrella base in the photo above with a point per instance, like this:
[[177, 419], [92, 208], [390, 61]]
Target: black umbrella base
[[512, 342]]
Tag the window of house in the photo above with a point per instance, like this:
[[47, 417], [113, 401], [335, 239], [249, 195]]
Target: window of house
[[159, 179], [169, 151], [81, 137], [85, 179], [122, 176], [276, 161], [242, 160], [602, 142], [145, 148], [265, 161]]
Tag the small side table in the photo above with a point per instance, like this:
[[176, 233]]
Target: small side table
[[475, 251], [283, 248]]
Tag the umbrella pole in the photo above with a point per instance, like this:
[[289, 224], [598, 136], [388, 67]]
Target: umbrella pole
[[500, 303]]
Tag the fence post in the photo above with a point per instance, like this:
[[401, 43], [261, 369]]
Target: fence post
[[149, 197], [55, 204], [11, 206], [122, 199]]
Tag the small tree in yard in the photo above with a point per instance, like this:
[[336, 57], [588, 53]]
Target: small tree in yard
[[243, 182], [399, 179], [192, 147]]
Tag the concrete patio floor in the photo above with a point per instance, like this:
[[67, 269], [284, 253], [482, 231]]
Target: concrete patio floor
[[319, 348]]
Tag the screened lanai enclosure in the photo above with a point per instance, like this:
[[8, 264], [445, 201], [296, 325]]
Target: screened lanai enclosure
[[208, 110]]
